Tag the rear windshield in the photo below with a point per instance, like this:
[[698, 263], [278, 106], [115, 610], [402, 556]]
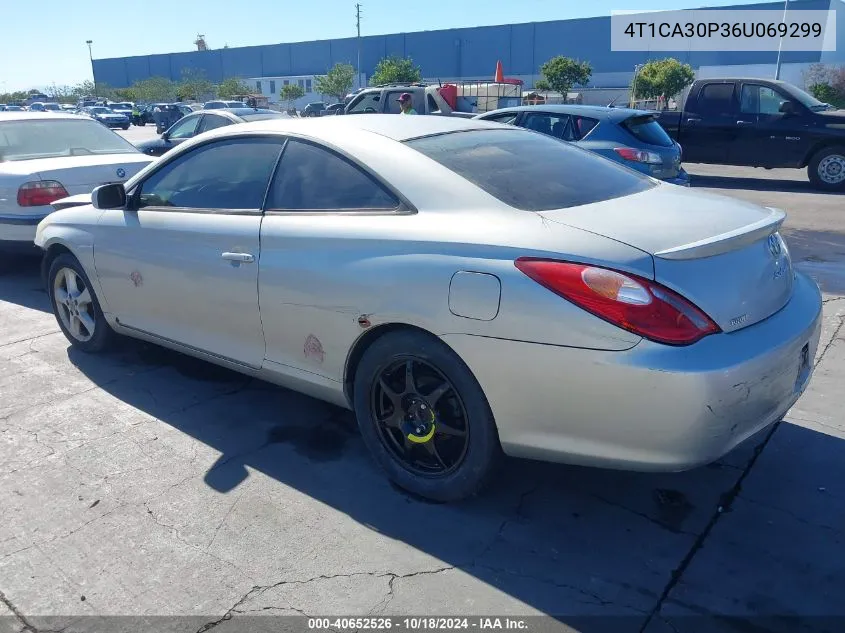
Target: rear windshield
[[260, 116], [39, 138], [529, 171], [648, 130]]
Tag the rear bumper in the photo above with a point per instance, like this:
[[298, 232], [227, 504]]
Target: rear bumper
[[653, 407], [19, 230], [682, 179]]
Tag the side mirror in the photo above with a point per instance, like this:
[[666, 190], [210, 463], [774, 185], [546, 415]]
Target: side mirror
[[165, 136], [787, 107], [111, 196]]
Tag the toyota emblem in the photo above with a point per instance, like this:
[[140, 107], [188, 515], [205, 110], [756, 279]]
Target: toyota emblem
[[121, 172], [774, 245]]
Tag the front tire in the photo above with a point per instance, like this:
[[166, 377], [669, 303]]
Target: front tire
[[424, 417], [76, 307], [826, 169]]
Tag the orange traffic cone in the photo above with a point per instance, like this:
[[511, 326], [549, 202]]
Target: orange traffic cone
[[500, 73]]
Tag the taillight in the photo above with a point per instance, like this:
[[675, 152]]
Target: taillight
[[633, 303], [38, 193], [638, 155]]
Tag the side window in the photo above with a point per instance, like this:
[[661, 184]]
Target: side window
[[556, 125], [716, 99], [229, 174], [581, 126], [186, 128], [312, 178], [212, 122], [432, 104], [756, 99], [367, 103], [506, 117], [393, 102]]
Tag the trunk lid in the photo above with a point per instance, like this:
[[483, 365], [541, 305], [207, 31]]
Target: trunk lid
[[724, 255], [80, 174]]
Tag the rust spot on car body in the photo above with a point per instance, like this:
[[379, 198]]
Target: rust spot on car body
[[314, 349]]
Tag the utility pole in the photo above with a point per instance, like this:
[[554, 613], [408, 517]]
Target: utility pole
[[358, 27], [780, 43], [91, 58]]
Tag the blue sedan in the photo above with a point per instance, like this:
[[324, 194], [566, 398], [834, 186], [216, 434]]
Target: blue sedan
[[631, 137]]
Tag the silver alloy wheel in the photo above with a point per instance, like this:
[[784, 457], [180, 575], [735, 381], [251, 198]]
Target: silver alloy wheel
[[74, 304], [831, 169]]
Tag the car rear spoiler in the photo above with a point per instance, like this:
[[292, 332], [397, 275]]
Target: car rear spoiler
[[729, 241]]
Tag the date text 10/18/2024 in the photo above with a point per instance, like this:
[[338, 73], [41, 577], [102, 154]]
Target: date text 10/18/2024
[[416, 623]]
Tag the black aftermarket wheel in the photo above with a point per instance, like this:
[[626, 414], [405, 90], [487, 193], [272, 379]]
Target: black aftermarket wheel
[[424, 417]]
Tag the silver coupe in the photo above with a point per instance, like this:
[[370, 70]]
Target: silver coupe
[[466, 288]]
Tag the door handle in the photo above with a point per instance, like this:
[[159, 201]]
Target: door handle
[[244, 258], [744, 122], [692, 120]]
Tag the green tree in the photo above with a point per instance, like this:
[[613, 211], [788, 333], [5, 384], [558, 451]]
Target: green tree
[[291, 93], [84, 89], [194, 85], [394, 70], [154, 89], [125, 94], [662, 78], [542, 84], [561, 73], [337, 82], [231, 87]]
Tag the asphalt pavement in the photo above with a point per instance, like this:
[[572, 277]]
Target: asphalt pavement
[[143, 482]]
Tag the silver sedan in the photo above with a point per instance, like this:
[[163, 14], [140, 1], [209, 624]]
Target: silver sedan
[[466, 288]]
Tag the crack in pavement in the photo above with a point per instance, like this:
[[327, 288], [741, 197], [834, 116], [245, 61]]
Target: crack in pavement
[[516, 513], [258, 590], [27, 626], [725, 505], [642, 515], [29, 338]]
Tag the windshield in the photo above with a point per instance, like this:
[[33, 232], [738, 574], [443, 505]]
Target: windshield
[[100, 110], [51, 106], [529, 171], [804, 98], [39, 138]]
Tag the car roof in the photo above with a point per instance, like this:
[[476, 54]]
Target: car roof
[[599, 112], [242, 111], [393, 126], [27, 116]]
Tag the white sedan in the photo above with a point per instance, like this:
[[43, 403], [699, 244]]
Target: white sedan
[[46, 156]]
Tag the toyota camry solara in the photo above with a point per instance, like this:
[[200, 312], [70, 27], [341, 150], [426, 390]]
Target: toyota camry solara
[[466, 288]]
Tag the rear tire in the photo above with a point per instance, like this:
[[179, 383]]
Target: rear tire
[[826, 169], [76, 307], [439, 440]]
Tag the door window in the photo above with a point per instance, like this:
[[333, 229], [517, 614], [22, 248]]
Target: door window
[[756, 99], [716, 99], [393, 101], [186, 128], [312, 178], [556, 125], [231, 174], [212, 122], [366, 104], [505, 117], [581, 126]]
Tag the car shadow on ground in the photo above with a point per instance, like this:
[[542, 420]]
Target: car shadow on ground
[[757, 184], [597, 549], [20, 281]]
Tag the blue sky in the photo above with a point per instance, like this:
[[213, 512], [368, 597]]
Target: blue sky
[[43, 41]]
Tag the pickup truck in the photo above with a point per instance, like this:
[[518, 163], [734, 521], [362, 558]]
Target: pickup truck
[[385, 100], [760, 123]]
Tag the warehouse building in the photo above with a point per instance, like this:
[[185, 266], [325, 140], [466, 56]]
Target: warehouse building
[[465, 53]]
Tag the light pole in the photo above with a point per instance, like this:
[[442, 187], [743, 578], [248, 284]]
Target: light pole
[[91, 58], [780, 42], [358, 42]]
